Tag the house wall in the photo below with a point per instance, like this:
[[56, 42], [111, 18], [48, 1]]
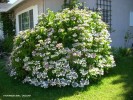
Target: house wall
[[120, 21], [89, 3], [56, 5], [29, 3], [53, 5]]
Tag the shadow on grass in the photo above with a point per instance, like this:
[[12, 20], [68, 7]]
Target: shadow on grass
[[9, 86], [11, 89], [125, 70]]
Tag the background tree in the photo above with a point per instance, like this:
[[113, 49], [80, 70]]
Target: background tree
[[4, 1]]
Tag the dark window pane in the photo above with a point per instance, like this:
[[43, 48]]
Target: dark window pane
[[25, 20], [20, 22], [31, 18]]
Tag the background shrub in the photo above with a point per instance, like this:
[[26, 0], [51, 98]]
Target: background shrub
[[7, 44], [66, 48], [122, 52], [0, 45]]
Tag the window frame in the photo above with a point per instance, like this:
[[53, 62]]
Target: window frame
[[26, 18], [131, 18], [35, 17]]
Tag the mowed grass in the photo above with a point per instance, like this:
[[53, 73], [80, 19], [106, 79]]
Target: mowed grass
[[117, 85]]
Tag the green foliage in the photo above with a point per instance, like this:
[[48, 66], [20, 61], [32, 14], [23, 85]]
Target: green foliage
[[8, 24], [122, 52], [6, 44], [0, 45], [65, 48], [128, 37]]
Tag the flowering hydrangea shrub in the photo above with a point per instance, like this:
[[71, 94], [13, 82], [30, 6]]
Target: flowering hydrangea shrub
[[65, 48]]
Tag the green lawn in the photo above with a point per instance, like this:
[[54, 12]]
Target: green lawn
[[117, 85]]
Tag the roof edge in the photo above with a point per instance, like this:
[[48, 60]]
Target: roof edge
[[4, 7], [12, 6], [15, 4]]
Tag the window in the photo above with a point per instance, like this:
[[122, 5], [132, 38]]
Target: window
[[105, 6], [131, 18], [26, 20]]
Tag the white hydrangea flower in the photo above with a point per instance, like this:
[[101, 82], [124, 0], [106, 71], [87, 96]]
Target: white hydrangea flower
[[75, 84], [48, 41], [13, 72], [74, 35], [26, 59], [83, 82], [84, 72], [41, 42], [59, 46], [35, 82], [96, 71], [63, 82], [38, 37], [72, 75], [27, 79], [61, 30], [17, 59]]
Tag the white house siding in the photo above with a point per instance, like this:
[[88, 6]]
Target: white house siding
[[89, 3], [120, 21], [29, 3], [54, 5]]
